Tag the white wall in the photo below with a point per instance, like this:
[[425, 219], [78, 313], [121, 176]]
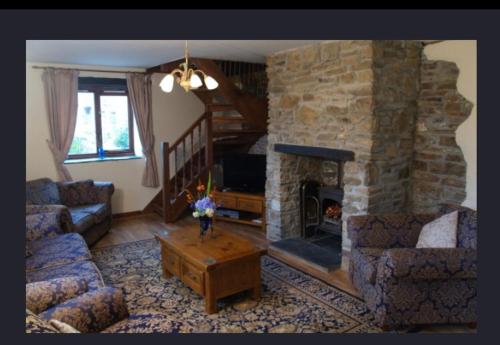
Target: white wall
[[172, 114], [464, 54]]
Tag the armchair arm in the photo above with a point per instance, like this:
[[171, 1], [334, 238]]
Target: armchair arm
[[42, 225], [104, 191], [386, 230], [92, 311], [44, 294], [65, 220], [428, 264]]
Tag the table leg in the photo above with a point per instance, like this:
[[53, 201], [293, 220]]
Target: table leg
[[256, 292], [210, 304]]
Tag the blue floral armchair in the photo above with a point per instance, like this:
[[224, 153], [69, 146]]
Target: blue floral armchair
[[82, 206], [404, 285]]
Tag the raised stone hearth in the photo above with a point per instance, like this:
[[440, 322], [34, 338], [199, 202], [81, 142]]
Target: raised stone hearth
[[365, 97]]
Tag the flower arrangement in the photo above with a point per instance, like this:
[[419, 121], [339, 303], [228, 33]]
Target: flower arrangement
[[203, 205]]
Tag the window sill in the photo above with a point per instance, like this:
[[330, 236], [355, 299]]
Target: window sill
[[96, 160]]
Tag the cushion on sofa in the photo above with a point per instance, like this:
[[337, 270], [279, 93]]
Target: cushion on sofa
[[82, 220], [75, 193], [91, 312], [467, 225], [42, 192], [35, 324], [60, 250], [98, 211], [82, 269], [366, 259], [44, 294], [440, 233]]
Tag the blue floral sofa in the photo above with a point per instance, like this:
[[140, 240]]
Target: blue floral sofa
[[84, 206], [404, 285], [63, 284]]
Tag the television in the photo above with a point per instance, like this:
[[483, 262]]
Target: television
[[244, 172]]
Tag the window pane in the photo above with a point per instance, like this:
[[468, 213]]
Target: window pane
[[114, 121], [84, 140]]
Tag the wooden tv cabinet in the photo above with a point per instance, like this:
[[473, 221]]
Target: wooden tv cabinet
[[247, 202]]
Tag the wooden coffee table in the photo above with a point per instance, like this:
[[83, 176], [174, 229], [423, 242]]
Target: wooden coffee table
[[220, 265]]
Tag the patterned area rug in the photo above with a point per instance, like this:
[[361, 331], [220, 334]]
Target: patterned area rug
[[291, 301]]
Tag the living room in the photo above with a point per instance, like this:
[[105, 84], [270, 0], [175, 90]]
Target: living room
[[290, 186]]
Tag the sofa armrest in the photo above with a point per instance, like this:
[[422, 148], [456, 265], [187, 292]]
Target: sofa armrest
[[65, 221], [386, 230], [428, 264], [43, 225], [45, 294], [104, 191], [92, 311]]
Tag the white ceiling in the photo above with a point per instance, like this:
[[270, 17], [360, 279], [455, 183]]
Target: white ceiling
[[144, 54]]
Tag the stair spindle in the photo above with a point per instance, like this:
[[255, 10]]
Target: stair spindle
[[176, 186], [184, 163], [192, 156], [199, 149]]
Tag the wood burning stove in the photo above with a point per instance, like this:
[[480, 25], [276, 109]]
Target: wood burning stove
[[321, 206]]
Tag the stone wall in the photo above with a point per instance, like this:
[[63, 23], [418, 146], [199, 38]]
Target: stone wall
[[320, 95], [396, 69], [396, 112], [439, 167]]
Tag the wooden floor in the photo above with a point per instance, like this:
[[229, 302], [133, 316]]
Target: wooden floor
[[142, 227]]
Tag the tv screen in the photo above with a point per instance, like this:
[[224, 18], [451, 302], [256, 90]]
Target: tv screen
[[244, 172]]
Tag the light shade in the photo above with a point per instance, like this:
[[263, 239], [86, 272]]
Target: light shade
[[210, 82], [195, 81], [167, 83]]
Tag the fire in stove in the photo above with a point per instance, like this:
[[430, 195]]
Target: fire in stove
[[333, 212]]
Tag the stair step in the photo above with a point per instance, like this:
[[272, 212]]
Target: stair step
[[157, 208], [220, 107], [228, 120], [234, 141], [237, 132]]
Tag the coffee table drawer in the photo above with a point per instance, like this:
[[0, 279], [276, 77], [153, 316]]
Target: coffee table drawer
[[192, 277], [250, 205], [171, 261]]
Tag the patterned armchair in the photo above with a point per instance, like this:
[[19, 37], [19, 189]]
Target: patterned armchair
[[403, 285], [82, 206]]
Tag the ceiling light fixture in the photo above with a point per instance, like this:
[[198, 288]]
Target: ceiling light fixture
[[188, 78]]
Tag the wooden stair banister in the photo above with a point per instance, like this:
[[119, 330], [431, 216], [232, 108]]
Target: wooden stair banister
[[173, 199]]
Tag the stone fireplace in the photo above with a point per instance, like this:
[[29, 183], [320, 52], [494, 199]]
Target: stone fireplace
[[353, 96]]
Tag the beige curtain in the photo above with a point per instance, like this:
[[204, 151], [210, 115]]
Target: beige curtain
[[139, 90], [61, 95]]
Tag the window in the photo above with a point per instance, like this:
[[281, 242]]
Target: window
[[104, 119]]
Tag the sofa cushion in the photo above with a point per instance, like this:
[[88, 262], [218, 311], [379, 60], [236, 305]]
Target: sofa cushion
[[91, 312], [42, 225], [98, 211], [42, 192], [81, 269], [35, 324], [44, 294], [56, 251], [76, 193], [467, 225], [440, 233], [82, 220], [365, 260]]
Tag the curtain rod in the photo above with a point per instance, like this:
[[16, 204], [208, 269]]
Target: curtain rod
[[88, 70]]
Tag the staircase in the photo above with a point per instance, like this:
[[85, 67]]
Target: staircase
[[235, 118]]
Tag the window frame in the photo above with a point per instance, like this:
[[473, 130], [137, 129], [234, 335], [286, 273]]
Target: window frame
[[106, 87]]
